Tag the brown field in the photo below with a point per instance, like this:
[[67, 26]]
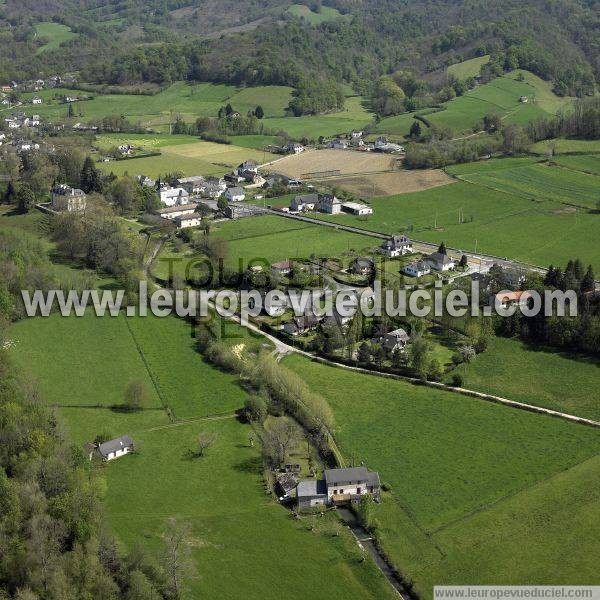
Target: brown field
[[309, 165], [389, 184]]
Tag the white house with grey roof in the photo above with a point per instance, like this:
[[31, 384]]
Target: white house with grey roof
[[396, 245], [116, 448], [441, 262], [339, 486]]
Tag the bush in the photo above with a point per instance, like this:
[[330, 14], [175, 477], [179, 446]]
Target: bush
[[457, 380], [255, 409]]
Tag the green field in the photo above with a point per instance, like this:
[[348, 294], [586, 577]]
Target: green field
[[586, 164], [236, 527], [353, 116], [276, 238], [515, 217], [468, 68], [55, 33], [325, 13], [511, 369], [147, 141], [500, 96], [194, 158], [541, 182], [157, 110], [472, 483], [565, 146]]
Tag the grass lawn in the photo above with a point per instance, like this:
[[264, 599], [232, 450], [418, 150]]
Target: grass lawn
[[468, 68], [565, 146], [275, 238], [325, 13], [258, 142], [147, 141], [236, 527], [274, 99], [519, 372], [447, 459], [55, 33]]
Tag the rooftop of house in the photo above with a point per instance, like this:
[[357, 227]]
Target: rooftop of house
[[63, 189], [440, 258], [347, 475], [178, 208], [311, 487], [114, 445], [235, 191], [399, 333]]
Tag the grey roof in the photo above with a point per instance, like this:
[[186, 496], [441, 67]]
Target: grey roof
[[113, 445], [438, 257], [177, 208], [399, 333], [307, 199], [236, 191], [348, 475], [311, 488], [287, 482], [396, 241]]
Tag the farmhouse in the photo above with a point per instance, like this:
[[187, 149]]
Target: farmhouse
[[36, 100], [339, 486], [523, 99], [177, 210], [116, 448], [329, 204], [233, 178], [356, 134], [397, 245], [286, 484], [339, 144], [304, 202], [382, 145], [441, 262], [65, 198], [417, 269], [235, 194], [247, 166], [357, 208], [396, 339], [145, 181], [170, 196]]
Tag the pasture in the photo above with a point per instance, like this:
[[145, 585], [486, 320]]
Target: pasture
[[55, 33], [468, 68], [516, 218], [566, 146], [195, 158], [274, 238], [501, 96], [520, 372], [585, 163], [235, 524], [353, 116], [453, 465]]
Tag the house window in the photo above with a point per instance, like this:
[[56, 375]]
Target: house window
[[358, 490], [341, 491], [335, 491]]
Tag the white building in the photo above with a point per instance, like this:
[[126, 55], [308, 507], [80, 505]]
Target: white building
[[417, 269], [36, 100], [177, 210], [193, 185], [357, 208], [329, 204], [294, 148], [397, 245], [116, 448], [171, 196], [235, 194], [441, 262], [304, 202], [190, 220]]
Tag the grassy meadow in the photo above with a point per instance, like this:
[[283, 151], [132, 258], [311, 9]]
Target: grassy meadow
[[586, 164], [468, 68], [501, 96], [325, 13], [506, 207], [235, 524], [465, 475], [55, 33], [276, 238], [194, 158], [532, 375], [566, 146]]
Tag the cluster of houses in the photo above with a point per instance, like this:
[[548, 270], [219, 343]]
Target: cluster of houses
[[355, 141], [326, 203], [338, 487], [20, 119], [36, 85], [437, 261]]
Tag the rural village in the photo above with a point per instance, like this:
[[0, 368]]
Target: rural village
[[310, 453]]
